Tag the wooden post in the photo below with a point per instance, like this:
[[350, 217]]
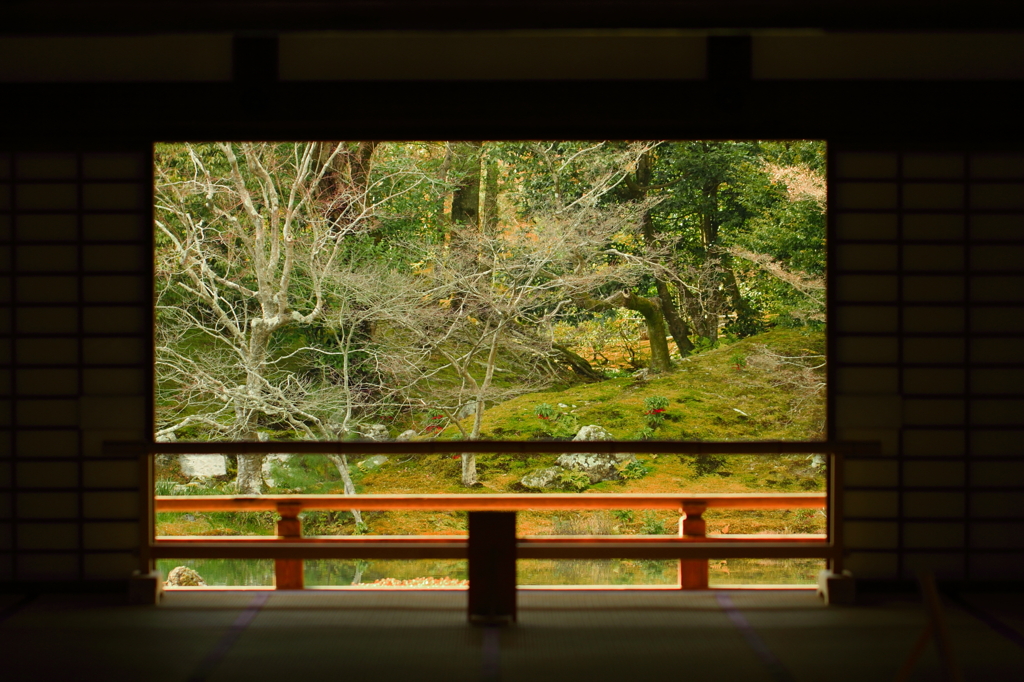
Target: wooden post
[[147, 514], [835, 584], [835, 511], [693, 573], [146, 584], [492, 568], [288, 572]]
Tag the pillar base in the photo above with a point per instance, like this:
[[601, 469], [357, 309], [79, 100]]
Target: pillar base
[[491, 621], [145, 589], [837, 588]]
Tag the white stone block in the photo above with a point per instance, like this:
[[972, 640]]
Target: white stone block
[[203, 466]]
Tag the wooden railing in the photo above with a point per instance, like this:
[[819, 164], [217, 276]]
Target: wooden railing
[[691, 545], [491, 546]]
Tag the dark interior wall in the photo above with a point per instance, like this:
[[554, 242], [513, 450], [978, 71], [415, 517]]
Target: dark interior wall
[[926, 212]]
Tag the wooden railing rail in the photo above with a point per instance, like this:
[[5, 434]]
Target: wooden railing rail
[[692, 547], [492, 502], [442, 447]]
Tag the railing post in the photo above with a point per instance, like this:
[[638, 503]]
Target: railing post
[[693, 573], [835, 512], [492, 568], [288, 572], [836, 585], [146, 583]]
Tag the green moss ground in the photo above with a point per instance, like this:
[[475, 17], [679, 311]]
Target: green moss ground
[[721, 394]]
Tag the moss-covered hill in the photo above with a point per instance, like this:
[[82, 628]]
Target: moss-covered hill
[[766, 387]]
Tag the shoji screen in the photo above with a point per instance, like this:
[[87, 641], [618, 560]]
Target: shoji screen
[[75, 252], [928, 321]]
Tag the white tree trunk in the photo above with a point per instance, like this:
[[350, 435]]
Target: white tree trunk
[[341, 461], [360, 567], [469, 476], [250, 474]]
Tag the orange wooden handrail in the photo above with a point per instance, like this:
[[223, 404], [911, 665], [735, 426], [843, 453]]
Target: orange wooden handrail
[[496, 502], [411, 540], [668, 547], [692, 547]]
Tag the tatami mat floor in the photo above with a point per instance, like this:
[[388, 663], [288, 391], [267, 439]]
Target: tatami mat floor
[[561, 636]]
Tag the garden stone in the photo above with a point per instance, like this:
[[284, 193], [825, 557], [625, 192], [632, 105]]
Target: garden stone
[[406, 436], [203, 466], [372, 462], [593, 432], [597, 466], [375, 432], [183, 576], [542, 478]]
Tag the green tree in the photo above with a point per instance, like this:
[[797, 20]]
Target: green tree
[[761, 201]]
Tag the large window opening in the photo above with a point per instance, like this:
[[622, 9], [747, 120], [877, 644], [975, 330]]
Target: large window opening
[[447, 291]]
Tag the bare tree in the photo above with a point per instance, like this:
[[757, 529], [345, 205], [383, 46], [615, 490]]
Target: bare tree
[[802, 182], [249, 238], [484, 299]]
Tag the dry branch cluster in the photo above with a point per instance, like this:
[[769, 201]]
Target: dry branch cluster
[[803, 375]]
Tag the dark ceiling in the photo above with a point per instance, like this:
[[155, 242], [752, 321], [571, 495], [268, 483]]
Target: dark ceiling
[[132, 16]]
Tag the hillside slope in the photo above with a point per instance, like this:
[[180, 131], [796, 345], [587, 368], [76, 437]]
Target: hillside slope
[[766, 387]]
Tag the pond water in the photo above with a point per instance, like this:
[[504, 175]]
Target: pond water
[[597, 572]]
